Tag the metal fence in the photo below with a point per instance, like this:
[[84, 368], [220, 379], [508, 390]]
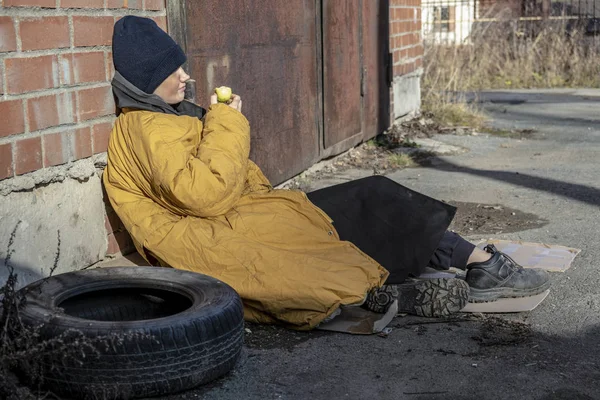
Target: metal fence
[[458, 21]]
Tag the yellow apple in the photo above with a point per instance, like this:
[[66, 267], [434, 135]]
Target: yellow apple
[[223, 94]]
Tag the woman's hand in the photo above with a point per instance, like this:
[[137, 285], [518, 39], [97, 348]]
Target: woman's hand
[[235, 103]]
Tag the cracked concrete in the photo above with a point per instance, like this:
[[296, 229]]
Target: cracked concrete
[[49, 229]]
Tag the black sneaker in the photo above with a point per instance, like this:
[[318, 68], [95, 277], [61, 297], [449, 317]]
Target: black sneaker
[[422, 297], [501, 277]]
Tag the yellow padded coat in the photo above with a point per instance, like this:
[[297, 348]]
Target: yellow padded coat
[[190, 197]]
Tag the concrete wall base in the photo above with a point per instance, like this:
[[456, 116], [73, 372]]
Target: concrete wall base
[[407, 93], [60, 224]]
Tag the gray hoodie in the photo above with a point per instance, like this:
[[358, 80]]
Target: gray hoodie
[[129, 96]]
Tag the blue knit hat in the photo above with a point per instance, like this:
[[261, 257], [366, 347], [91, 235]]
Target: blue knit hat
[[143, 53]]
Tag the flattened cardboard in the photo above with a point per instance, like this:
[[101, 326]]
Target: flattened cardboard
[[554, 258], [359, 321], [519, 304]]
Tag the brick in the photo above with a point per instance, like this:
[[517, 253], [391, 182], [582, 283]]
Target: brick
[[134, 4], [161, 22], [110, 67], [414, 38], [155, 5], [8, 37], [82, 68], [6, 161], [93, 31], [95, 102], [115, 4], [119, 242], [100, 136], [30, 3], [53, 110], [55, 150], [404, 27], [29, 74], [28, 155], [112, 223], [44, 33], [81, 143], [82, 4], [405, 13], [12, 118]]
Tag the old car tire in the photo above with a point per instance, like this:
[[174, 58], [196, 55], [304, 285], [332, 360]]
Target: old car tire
[[147, 331]]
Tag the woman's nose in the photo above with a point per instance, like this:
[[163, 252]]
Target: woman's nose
[[184, 76]]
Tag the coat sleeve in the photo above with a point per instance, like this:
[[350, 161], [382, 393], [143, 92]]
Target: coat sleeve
[[256, 181], [210, 182]]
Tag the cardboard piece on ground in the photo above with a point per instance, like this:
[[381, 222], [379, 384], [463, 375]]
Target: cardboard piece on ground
[[359, 321], [536, 255], [519, 304]]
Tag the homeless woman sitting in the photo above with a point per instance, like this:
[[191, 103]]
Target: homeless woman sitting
[[180, 179]]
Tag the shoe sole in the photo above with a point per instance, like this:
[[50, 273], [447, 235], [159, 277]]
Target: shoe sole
[[433, 297], [488, 295]]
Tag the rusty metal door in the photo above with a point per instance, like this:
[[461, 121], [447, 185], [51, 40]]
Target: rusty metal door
[[311, 73], [342, 70], [355, 61], [376, 66], [266, 50]]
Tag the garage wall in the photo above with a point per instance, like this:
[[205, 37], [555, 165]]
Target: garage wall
[[406, 46], [56, 113]]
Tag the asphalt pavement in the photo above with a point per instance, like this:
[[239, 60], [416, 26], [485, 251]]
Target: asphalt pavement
[[552, 352]]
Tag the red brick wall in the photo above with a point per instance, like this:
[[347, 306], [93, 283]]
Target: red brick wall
[[405, 36], [406, 44], [56, 103]]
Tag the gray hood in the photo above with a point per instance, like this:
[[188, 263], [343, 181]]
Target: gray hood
[[128, 96]]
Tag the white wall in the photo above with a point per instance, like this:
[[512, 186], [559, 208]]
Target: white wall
[[464, 18]]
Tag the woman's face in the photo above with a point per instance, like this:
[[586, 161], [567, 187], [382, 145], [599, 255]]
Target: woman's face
[[172, 89]]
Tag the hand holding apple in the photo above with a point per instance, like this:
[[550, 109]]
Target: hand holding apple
[[223, 94]]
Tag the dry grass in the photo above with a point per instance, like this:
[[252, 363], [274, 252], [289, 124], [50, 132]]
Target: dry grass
[[451, 112], [503, 55], [401, 160], [24, 351]]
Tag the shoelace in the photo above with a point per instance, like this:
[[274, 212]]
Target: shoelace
[[490, 248]]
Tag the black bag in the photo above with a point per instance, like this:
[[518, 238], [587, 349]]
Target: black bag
[[396, 226]]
